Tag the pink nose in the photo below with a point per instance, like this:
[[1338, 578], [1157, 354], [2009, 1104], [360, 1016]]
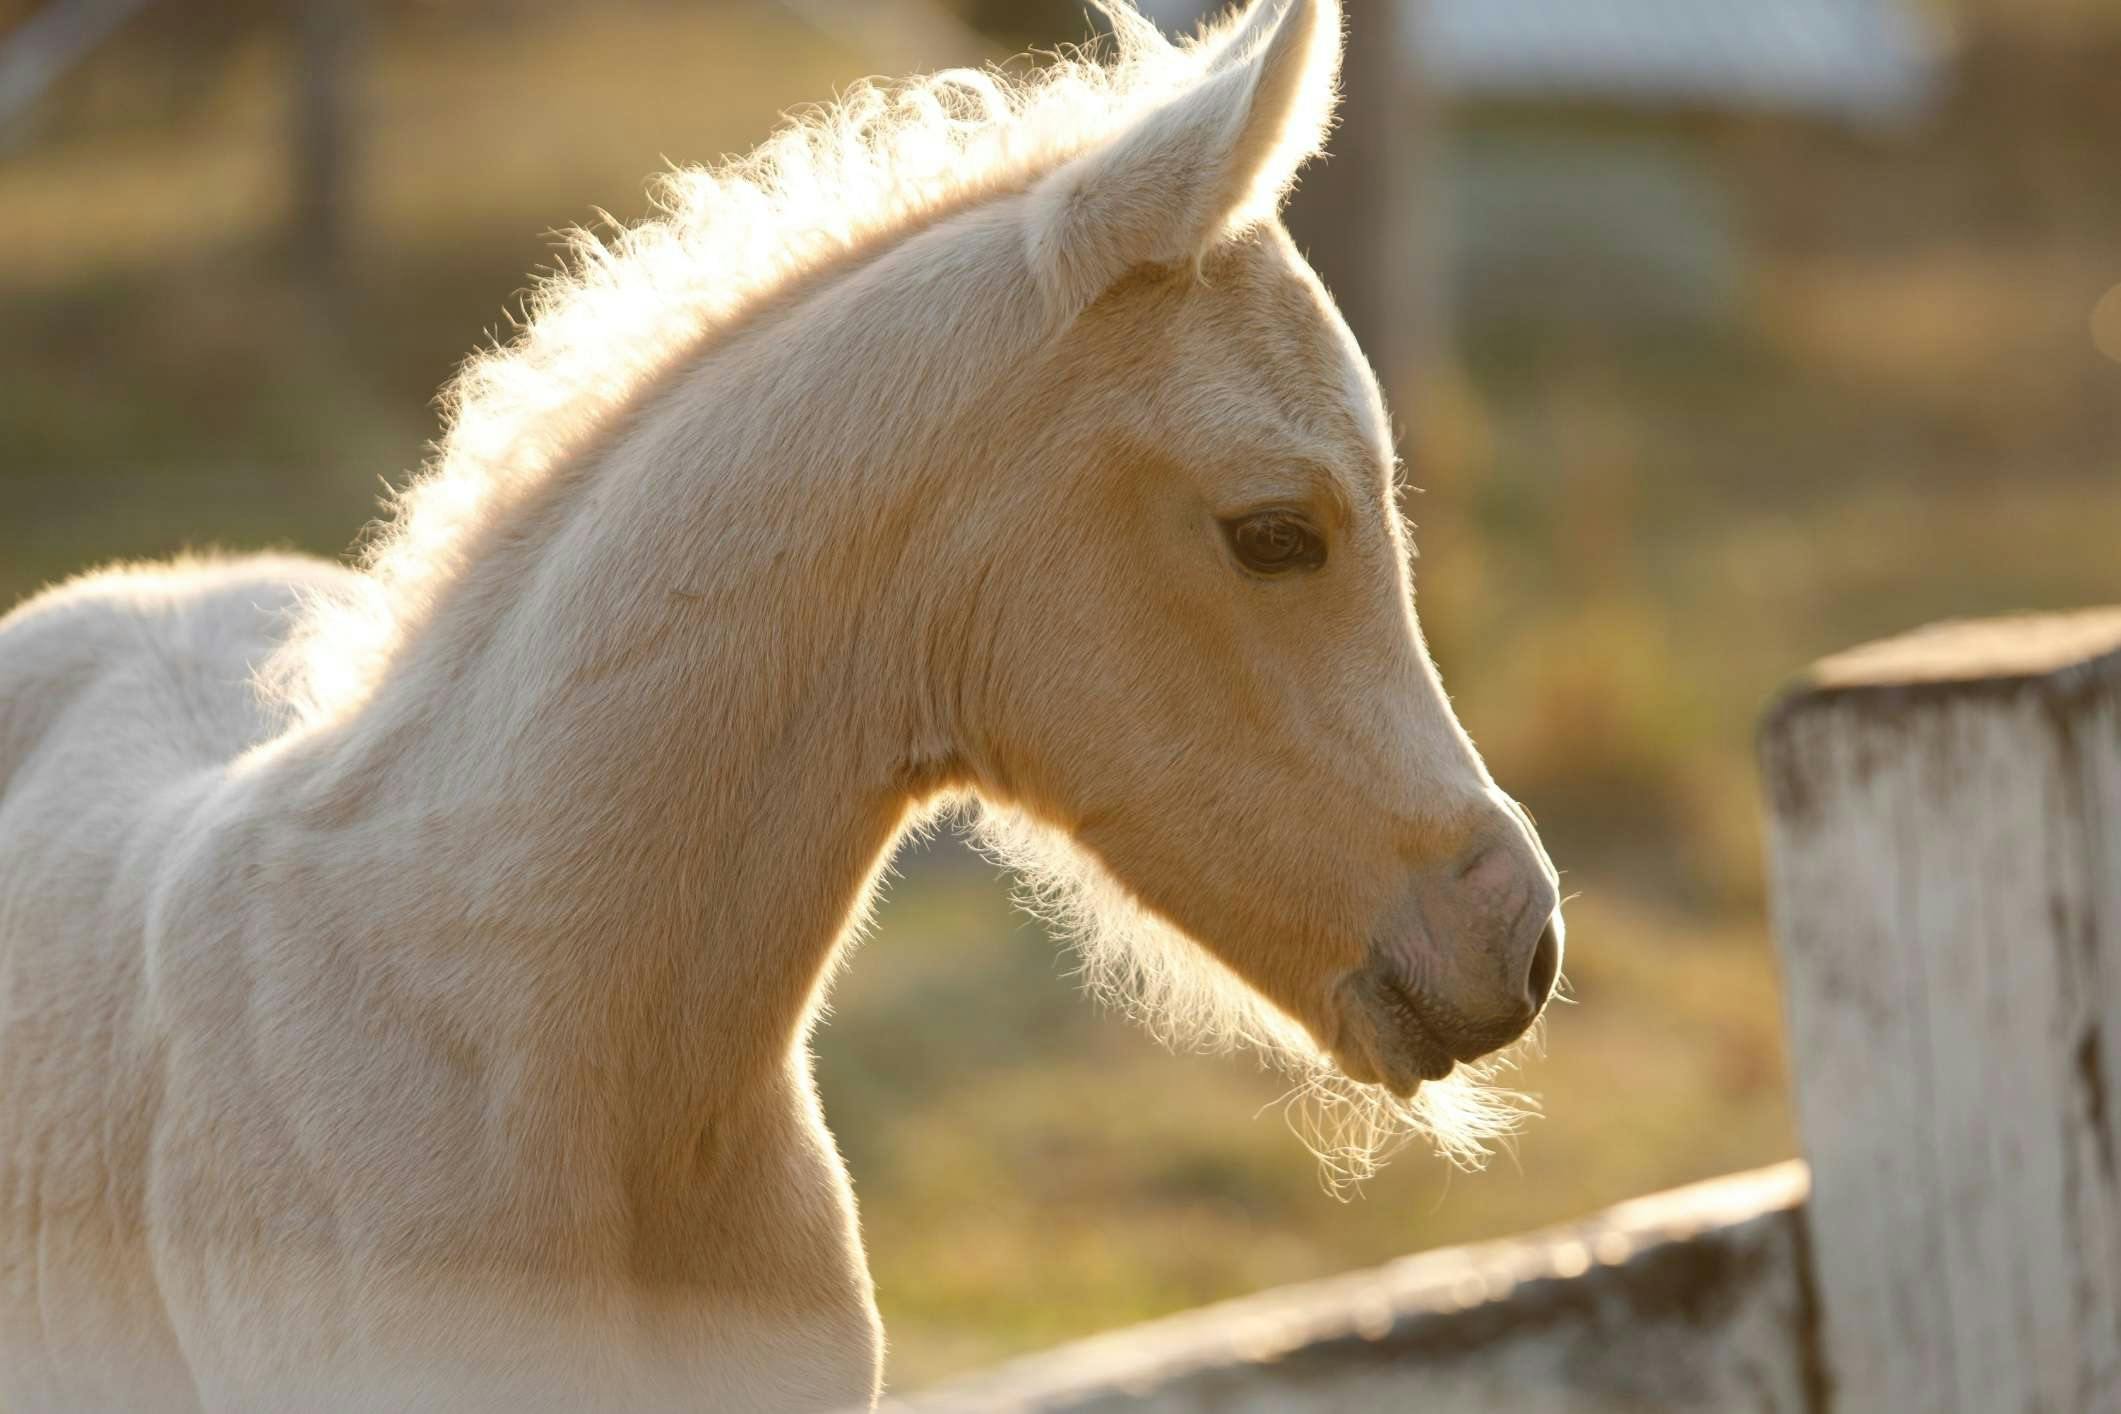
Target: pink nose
[[1497, 873], [1474, 947]]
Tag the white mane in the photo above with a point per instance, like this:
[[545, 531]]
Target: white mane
[[626, 306]]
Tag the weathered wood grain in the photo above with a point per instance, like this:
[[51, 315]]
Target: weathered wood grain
[[1693, 1300], [1946, 880]]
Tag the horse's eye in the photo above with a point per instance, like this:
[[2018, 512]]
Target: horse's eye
[[1275, 542]]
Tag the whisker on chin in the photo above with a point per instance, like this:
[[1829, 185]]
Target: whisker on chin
[[1141, 966]]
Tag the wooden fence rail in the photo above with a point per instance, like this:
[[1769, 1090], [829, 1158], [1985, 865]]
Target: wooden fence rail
[[1688, 1301], [1945, 841]]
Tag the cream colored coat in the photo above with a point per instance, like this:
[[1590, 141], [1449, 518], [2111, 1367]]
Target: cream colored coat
[[404, 976]]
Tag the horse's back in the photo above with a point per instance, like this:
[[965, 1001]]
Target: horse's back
[[152, 663], [122, 696]]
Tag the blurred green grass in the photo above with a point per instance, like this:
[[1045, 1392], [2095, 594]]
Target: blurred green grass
[[1627, 540]]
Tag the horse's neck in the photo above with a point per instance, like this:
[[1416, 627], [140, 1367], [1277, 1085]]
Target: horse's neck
[[649, 748]]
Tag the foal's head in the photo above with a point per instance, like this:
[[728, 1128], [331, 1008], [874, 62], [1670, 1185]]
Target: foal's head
[[1209, 676]]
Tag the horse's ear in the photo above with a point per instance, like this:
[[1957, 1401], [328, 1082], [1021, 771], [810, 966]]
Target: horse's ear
[[1219, 156]]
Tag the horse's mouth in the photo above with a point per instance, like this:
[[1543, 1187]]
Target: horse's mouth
[[1384, 1039]]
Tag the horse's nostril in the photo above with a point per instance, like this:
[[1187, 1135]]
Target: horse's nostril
[[1546, 963]]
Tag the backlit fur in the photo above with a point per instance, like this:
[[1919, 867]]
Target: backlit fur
[[406, 973], [835, 181]]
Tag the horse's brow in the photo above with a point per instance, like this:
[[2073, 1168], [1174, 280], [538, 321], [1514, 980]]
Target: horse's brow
[[1324, 481]]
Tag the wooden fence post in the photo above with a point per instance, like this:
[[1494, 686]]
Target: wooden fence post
[[1945, 844]]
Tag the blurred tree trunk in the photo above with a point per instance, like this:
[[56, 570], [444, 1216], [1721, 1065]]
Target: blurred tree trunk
[[328, 47]]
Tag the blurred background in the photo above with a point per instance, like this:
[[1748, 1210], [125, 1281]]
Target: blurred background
[[1721, 335]]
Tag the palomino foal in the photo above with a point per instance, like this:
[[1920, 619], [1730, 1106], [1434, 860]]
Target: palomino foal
[[420, 1022]]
